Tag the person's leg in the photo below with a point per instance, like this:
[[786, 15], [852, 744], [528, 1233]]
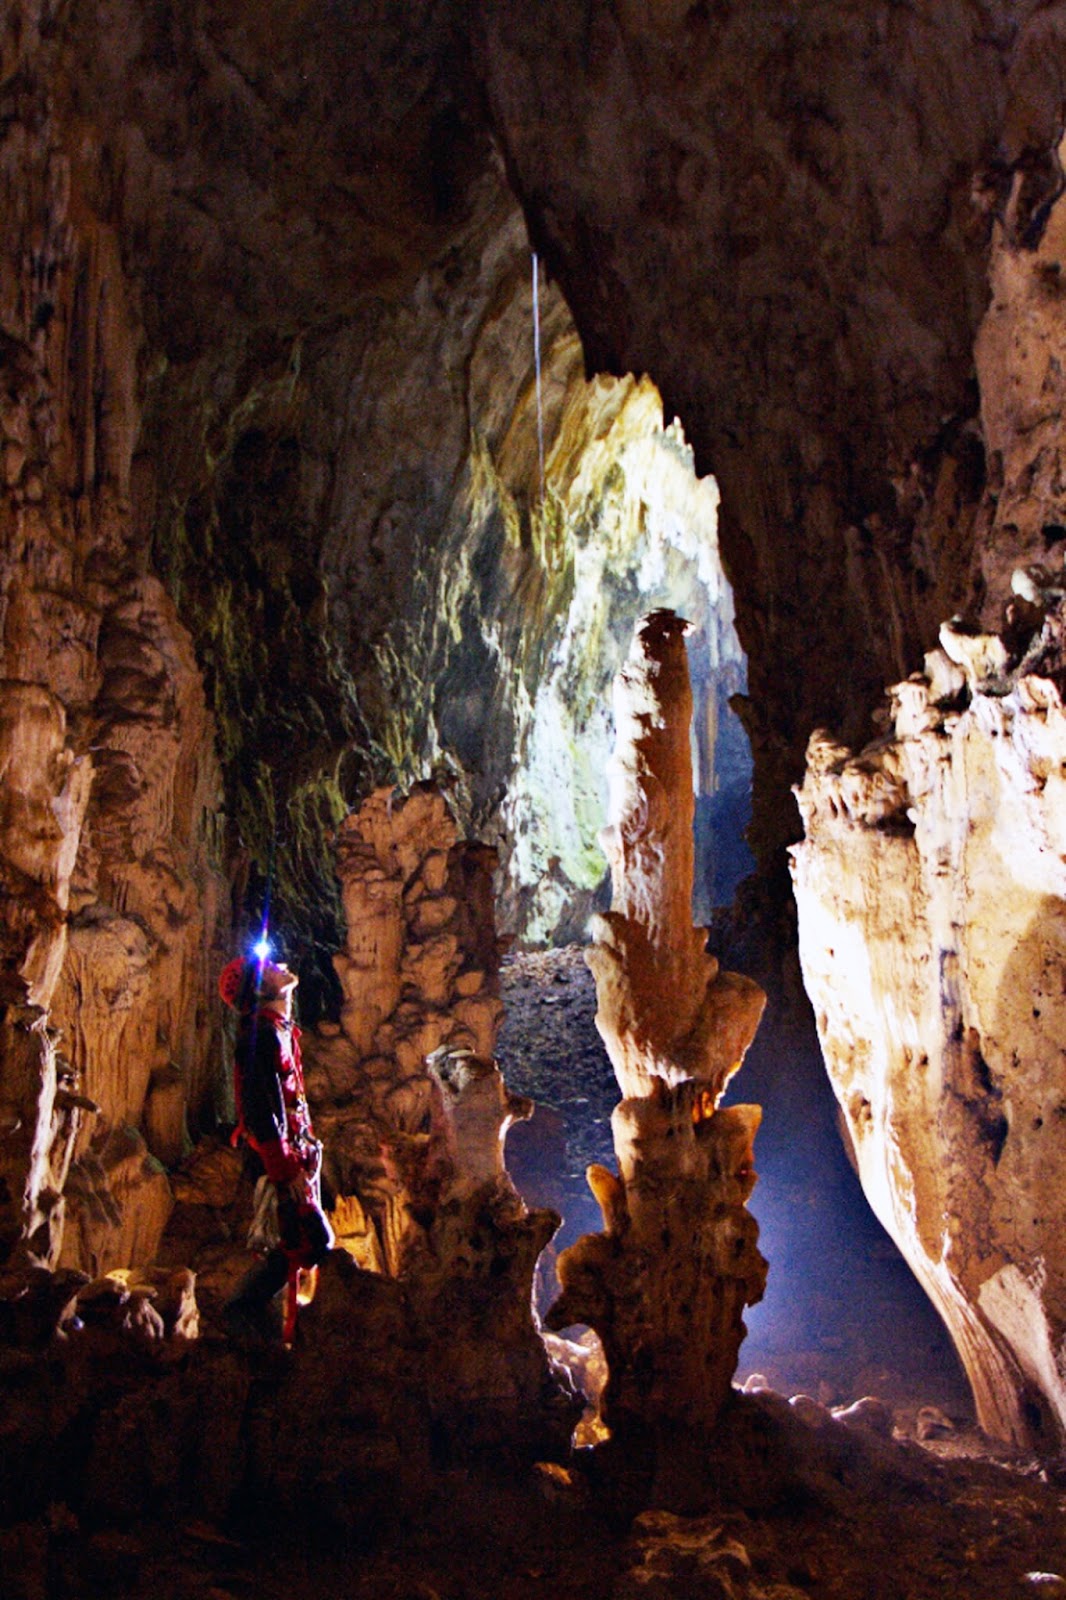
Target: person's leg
[[251, 1313]]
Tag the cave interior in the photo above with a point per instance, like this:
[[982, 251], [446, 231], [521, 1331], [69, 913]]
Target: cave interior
[[559, 511]]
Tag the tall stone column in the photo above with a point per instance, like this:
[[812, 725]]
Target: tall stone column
[[666, 1283], [414, 1112]]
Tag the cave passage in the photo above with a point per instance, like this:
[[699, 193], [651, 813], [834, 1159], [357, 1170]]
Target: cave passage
[[635, 529]]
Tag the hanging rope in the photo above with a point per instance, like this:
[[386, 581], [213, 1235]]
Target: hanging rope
[[536, 363]]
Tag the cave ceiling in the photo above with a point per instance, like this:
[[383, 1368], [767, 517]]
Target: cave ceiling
[[768, 209]]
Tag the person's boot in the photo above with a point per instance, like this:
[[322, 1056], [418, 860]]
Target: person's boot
[[251, 1317]]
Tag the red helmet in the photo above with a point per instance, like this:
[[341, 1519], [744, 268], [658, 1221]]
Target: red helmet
[[231, 982], [246, 980]]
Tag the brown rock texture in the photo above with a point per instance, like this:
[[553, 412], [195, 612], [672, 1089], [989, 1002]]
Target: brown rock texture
[[930, 891], [110, 780], [1019, 354], [732, 199], [666, 1283], [414, 1112]]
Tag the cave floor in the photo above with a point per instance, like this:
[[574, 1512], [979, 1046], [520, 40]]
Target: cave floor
[[854, 1518], [789, 1501]]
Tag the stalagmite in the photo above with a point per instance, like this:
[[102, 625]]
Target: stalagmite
[[666, 1284], [413, 1111]]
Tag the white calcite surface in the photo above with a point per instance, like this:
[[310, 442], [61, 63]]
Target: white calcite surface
[[931, 889]]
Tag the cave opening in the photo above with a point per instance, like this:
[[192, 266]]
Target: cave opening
[[626, 526]]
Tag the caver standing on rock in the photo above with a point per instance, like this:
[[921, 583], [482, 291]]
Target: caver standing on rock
[[274, 1121]]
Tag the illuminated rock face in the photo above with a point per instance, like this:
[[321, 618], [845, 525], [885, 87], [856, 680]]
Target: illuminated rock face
[[664, 1009], [931, 889], [930, 885], [106, 750], [666, 1284], [413, 1112]]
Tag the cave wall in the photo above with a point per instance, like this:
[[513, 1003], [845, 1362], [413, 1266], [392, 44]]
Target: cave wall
[[307, 204], [264, 309], [930, 896], [422, 603], [112, 894]]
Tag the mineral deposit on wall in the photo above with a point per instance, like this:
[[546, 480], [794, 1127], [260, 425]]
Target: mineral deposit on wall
[[106, 748], [932, 903]]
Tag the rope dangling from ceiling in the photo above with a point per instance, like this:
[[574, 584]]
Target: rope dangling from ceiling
[[536, 362]]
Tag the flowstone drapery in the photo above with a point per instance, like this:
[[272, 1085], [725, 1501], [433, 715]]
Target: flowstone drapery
[[110, 890], [666, 1283]]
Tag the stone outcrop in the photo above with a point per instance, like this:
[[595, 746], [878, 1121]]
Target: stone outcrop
[[929, 886], [413, 1112], [109, 776], [930, 890], [666, 1283]]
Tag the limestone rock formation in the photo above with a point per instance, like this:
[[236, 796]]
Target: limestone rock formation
[[265, 335], [1018, 354], [413, 1112], [754, 194], [665, 1009], [666, 1284], [109, 775], [930, 889], [46, 791], [418, 970]]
